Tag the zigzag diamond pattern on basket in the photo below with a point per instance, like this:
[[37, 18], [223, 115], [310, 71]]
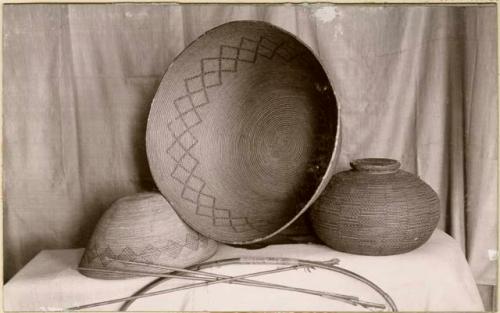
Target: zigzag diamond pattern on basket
[[194, 189], [149, 254]]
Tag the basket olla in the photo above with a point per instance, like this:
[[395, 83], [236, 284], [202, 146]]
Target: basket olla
[[375, 209], [143, 228], [243, 131]]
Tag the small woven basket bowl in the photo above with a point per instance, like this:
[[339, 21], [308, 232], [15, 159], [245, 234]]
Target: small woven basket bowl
[[243, 131], [142, 228], [375, 209]]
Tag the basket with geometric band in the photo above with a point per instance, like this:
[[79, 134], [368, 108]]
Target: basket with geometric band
[[142, 228], [243, 131]]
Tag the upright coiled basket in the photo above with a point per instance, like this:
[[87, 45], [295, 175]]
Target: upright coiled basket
[[375, 209]]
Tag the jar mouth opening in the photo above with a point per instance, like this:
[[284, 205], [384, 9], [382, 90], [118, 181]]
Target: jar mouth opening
[[381, 165]]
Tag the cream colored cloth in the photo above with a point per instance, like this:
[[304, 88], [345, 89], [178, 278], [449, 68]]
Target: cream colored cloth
[[434, 277], [414, 83]]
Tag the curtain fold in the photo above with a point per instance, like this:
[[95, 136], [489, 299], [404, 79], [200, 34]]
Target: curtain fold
[[481, 143], [415, 83]]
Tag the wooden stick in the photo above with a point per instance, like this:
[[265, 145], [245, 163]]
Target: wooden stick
[[257, 283], [228, 279], [246, 282], [198, 272]]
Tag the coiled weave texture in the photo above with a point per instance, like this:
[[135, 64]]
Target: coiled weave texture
[[143, 228], [375, 209], [242, 131]]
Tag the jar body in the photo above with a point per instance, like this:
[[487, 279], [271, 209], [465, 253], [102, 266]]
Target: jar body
[[375, 212]]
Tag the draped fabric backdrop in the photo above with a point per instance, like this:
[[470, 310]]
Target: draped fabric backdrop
[[414, 83]]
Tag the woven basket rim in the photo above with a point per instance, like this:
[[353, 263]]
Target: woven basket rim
[[376, 165], [337, 141]]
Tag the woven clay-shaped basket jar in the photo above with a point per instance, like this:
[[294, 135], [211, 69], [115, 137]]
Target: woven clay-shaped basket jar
[[375, 209], [143, 228]]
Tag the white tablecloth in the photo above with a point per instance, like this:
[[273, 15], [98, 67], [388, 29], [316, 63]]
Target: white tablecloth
[[434, 277]]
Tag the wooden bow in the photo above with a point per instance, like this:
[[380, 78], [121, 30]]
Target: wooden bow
[[212, 278]]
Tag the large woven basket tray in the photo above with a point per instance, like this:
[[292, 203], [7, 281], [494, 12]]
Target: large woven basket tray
[[243, 132]]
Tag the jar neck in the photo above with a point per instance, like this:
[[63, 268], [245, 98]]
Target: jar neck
[[376, 165]]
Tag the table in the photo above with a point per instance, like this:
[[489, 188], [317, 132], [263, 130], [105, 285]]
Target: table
[[434, 277]]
